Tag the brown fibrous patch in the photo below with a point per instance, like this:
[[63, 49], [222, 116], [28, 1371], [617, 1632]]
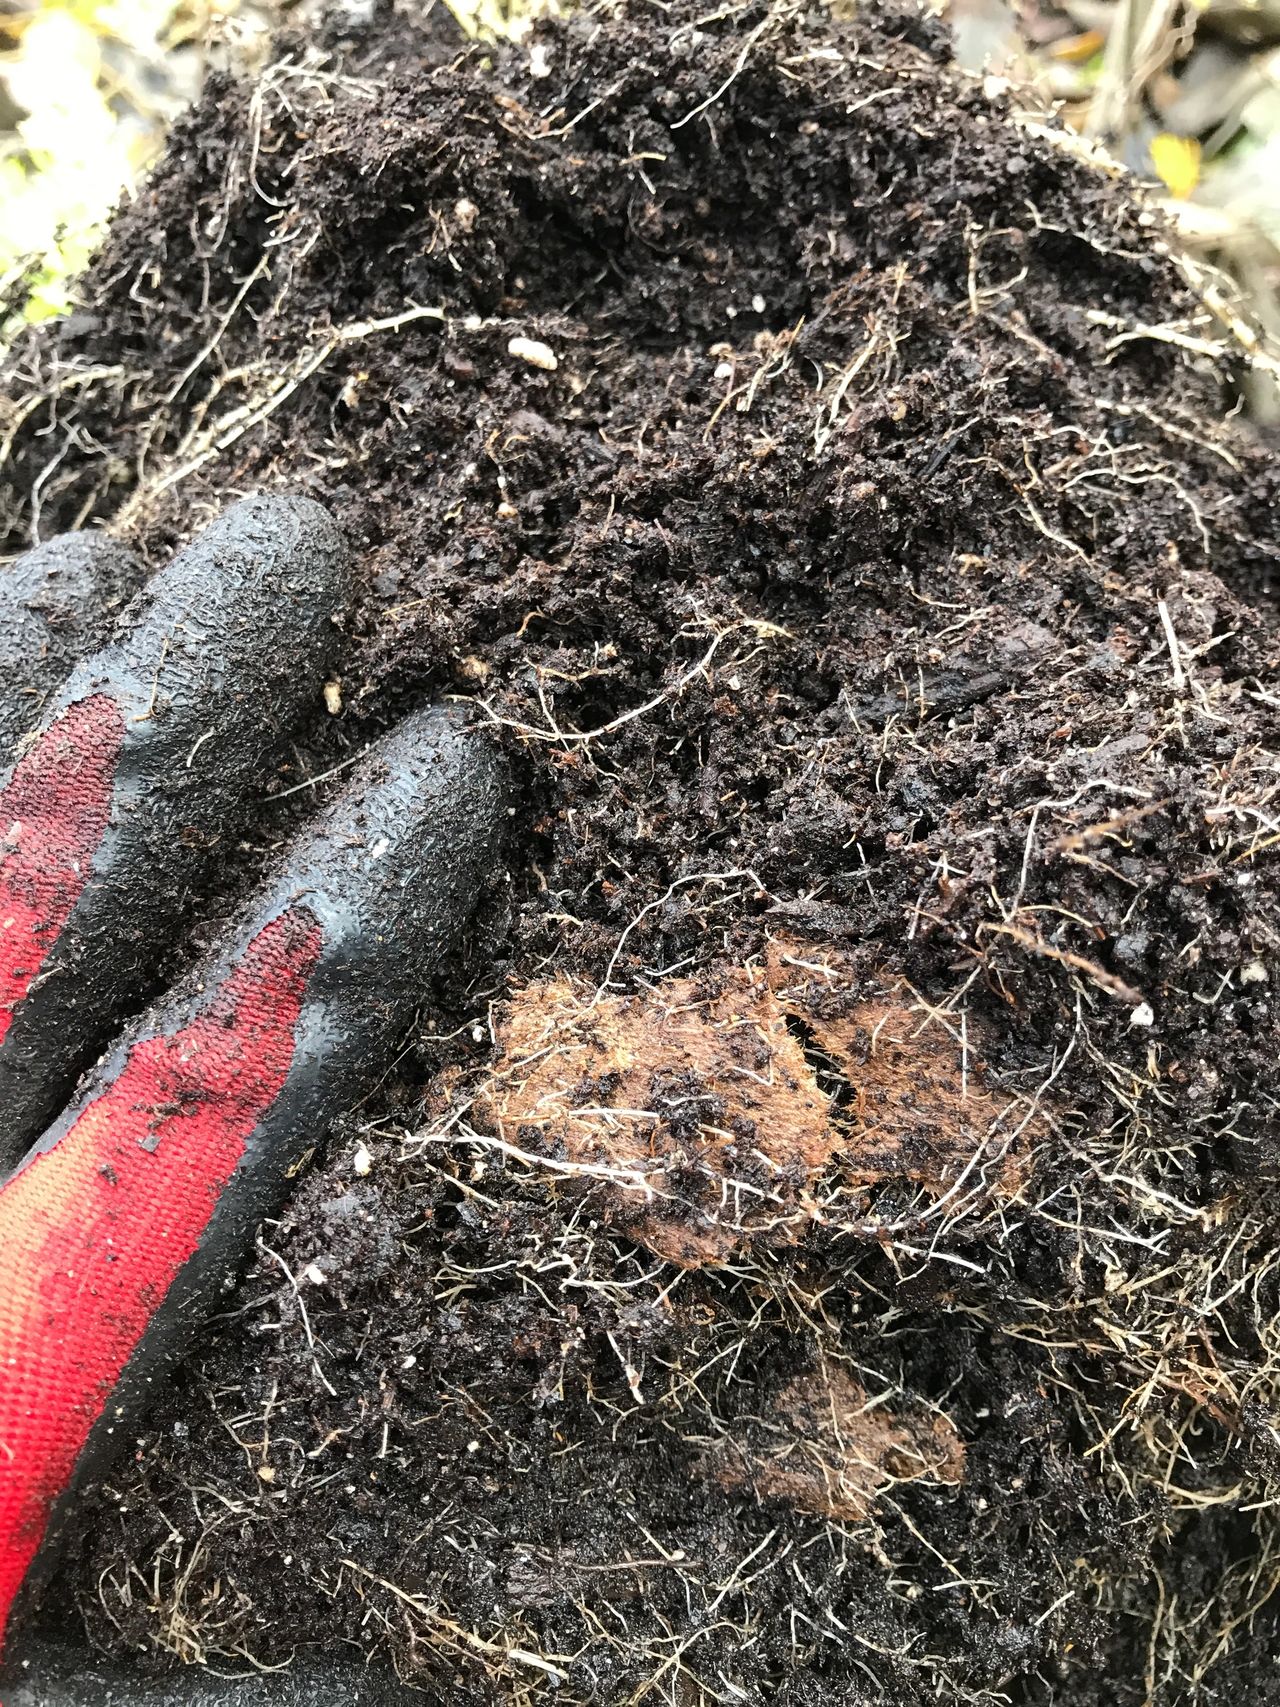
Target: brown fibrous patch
[[923, 1105], [696, 1111], [825, 1446]]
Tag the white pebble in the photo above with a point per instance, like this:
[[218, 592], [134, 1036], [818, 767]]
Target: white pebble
[[1143, 1014]]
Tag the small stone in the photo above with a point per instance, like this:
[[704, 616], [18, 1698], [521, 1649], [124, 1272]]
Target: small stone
[[1143, 1014], [1254, 973], [362, 1161]]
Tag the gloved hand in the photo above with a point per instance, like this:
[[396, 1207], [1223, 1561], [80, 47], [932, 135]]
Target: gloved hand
[[50, 1678], [125, 1214]]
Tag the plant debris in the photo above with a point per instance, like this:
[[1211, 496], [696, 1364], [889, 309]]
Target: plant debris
[[694, 1110]]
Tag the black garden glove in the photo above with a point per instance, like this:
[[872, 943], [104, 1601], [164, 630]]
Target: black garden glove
[[124, 1212]]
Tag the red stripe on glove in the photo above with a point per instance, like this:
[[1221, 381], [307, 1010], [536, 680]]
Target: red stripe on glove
[[53, 813], [95, 1229]]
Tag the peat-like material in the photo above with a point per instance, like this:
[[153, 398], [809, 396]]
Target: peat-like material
[[820, 1245]]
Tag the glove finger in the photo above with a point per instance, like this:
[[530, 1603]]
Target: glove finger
[[52, 1679], [57, 603], [136, 1205], [114, 813]]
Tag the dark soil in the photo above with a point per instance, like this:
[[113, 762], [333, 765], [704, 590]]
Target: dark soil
[[872, 576]]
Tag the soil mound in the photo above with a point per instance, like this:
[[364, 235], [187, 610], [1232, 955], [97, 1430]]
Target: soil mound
[[820, 487]]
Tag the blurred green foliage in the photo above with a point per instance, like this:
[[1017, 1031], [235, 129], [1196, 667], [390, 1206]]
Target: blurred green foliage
[[87, 88]]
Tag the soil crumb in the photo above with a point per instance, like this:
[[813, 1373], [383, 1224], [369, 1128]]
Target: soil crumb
[[821, 488]]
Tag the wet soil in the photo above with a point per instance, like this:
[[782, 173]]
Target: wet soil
[[823, 488]]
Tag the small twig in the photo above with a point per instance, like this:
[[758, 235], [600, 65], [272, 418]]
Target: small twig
[[739, 67], [315, 781]]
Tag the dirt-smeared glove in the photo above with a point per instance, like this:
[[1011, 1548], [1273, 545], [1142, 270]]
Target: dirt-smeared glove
[[51, 1678], [121, 1223], [146, 759], [57, 603], [126, 1216]]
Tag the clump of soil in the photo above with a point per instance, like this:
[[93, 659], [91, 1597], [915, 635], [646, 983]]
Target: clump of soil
[[820, 487]]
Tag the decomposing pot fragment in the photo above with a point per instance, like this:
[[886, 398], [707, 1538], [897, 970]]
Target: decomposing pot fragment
[[696, 1119], [824, 1445]]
